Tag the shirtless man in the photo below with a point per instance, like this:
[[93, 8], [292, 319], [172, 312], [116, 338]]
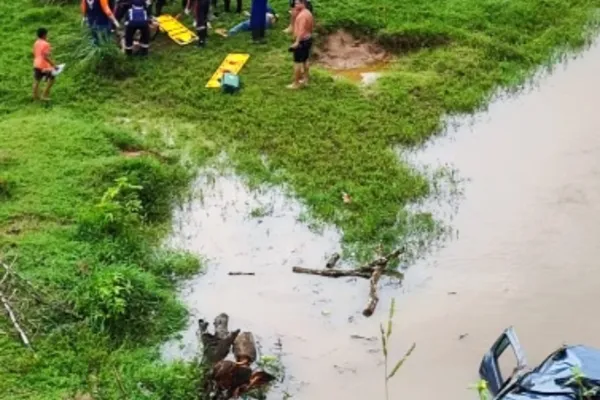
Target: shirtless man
[[303, 29], [294, 12]]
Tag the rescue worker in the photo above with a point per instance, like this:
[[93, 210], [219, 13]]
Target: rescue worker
[[137, 19], [121, 9], [98, 15], [201, 9]]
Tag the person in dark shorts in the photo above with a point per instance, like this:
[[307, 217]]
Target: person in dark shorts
[[303, 29], [43, 66], [137, 19]]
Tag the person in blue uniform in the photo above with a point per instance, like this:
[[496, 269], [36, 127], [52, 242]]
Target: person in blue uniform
[[137, 19]]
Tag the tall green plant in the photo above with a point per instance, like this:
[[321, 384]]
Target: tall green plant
[[118, 211], [385, 339]]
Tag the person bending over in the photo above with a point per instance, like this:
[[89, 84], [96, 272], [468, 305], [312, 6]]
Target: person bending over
[[137, 19]]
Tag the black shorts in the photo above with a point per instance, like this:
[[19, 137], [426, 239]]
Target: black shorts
[[302, 52], [38, 75]]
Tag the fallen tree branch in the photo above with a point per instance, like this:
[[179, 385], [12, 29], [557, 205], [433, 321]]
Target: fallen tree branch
[[13, 319], [34, 291], [332, 273], [382, 261], [372, 271], [235, 273], [373, 298]]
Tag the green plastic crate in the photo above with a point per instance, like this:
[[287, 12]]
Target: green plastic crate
[[230, 83]]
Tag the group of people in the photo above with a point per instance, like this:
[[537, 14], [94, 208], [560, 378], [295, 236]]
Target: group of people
[[103, 18]]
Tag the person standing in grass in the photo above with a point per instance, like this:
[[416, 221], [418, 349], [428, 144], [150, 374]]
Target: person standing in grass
[[201, 9], [43, 66], [99, 16], [303, 29]]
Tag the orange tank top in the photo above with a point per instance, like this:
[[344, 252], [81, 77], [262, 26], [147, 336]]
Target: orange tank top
[[41, 50]]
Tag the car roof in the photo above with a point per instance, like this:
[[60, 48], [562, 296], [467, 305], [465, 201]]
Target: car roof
[[554, 378]]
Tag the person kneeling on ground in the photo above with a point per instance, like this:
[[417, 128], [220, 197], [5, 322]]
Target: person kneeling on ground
[[294, 11], [271, 18], [137, 19], [303, 28], [98, 15], [43, 66]]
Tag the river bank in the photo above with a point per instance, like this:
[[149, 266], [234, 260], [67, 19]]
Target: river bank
[[60, 164]]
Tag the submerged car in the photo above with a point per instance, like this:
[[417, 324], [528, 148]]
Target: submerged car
[[570, 373]]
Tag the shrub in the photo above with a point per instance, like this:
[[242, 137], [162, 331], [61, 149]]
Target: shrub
[[117, 213], [159, 183], [125, 302]]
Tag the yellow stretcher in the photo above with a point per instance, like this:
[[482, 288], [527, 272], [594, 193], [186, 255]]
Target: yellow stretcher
[[233, 64], [176, 30]]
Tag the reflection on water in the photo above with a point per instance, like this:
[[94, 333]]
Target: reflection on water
[[366, 75], [526, 255]]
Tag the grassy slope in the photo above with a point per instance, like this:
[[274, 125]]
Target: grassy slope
[[330, 138]]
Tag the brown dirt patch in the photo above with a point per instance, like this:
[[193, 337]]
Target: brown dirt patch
[[341, 50]]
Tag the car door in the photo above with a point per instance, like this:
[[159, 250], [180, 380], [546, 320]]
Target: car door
[[490, 370]]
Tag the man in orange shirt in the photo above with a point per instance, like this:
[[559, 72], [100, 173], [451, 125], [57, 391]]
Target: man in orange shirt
[[303, 28], [43, 66]]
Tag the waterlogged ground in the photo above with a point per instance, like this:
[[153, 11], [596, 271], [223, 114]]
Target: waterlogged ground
[[524, 254]]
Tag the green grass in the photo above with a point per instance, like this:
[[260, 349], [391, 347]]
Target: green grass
[[57, 161]]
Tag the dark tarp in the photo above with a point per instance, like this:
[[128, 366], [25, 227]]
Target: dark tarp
[[552, 380]]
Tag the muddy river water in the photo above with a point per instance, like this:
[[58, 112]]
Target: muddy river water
[[527, 254]]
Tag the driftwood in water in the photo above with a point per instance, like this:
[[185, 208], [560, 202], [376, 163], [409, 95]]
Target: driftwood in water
[[382, 261], [372, 271], [241, 273], [373, 298], [221, 324], [332, 273], [332, 260], [214, 348], [244, 348], [231, 380]]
